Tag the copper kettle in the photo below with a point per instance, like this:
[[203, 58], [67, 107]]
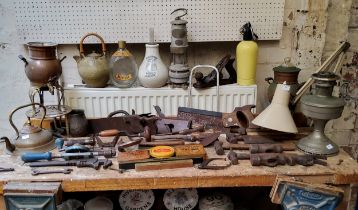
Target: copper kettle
[[30, 137], [43, 66]]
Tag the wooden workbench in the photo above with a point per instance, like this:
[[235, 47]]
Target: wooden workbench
[[341, 170]]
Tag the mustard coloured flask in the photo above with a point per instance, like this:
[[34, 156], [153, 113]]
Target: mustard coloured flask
[[246, 56]]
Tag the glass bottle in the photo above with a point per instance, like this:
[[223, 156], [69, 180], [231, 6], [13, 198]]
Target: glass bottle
[[124, 69]]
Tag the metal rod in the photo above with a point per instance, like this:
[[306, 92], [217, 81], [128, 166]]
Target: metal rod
[[190, 99], [342, 48]]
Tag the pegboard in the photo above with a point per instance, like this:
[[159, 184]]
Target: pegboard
[[66, 21]]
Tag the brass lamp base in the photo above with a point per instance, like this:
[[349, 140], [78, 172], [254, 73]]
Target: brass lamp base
[[317, 142]]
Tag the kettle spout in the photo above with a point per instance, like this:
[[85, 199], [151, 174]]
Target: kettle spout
[[10, 147], [23, 59], [77, 58]]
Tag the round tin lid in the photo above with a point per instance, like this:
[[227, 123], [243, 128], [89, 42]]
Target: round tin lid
[[99, 202], [161, 151], [180, 199], [216, 201], [287, 67], [136, 199]]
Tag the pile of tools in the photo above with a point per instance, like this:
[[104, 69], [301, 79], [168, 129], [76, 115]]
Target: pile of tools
[[147, 142]]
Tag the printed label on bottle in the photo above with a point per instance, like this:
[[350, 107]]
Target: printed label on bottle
[[151, 66], [123, 76]]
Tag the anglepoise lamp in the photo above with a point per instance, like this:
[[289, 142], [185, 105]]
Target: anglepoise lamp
[[277, 115]]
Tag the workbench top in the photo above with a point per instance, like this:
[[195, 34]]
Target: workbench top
[[341, 169]]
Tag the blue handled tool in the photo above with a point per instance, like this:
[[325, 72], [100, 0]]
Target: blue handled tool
[[31, 157]]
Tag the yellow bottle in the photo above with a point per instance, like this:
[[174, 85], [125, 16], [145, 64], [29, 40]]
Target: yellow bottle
[[246, 57]]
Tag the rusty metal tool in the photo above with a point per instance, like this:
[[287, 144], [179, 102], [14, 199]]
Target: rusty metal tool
[[274, 159], [131, 164], [218, 146], [262, 147], [265, 148], [31, 157], [172, 142], [132, 124], [205, 164], [82, 141], [2, 169], [210, 79], [159, 112], [199, 128], [80, 163], [232, 138], [232, 156], [107, 144], [170, 125], [241, 116], [130, 143], [209, 119], [238, 130], [58, 171], [204, 139]]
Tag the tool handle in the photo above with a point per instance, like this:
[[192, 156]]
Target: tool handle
[[111, 132], [189, 131], [31, 157], [162, 143], [91, 164], [167, 137]]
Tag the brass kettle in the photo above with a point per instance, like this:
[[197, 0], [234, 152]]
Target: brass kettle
[[30, 137], [93, 68]]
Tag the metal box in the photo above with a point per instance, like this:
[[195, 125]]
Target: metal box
[[32, 195]]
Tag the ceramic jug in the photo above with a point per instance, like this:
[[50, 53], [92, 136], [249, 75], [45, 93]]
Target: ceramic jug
[[152, 72]]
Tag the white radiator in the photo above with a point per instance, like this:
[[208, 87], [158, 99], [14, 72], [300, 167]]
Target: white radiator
[[99, 102]]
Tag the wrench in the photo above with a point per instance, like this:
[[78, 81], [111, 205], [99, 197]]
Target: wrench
[[60, 171]]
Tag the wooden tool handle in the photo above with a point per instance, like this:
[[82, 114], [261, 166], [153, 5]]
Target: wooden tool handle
[[164, 137], [189, 131], [162, 143], [111, 132]]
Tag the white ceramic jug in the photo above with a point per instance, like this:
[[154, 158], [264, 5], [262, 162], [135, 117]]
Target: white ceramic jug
[[152, 72]]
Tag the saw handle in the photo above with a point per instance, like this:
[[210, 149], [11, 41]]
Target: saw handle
[[32, 156]]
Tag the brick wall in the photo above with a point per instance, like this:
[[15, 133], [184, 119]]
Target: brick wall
[[344, 130]]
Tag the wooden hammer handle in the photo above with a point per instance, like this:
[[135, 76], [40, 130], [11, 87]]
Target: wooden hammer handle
[[111, 132]]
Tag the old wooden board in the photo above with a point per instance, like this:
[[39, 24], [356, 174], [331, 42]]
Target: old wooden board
[[87, 179]]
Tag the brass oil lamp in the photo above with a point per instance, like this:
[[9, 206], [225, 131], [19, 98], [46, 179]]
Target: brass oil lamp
[[321, 107]]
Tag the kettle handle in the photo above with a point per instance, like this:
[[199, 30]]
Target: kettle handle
[[23, 106], [269, 80], [96, 35]]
